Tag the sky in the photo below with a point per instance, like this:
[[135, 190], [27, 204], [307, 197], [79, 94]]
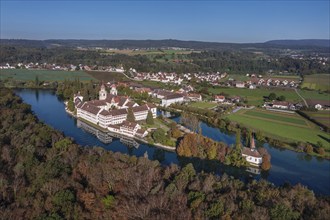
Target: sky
[[217, 21]]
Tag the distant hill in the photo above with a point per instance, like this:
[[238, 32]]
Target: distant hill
[[196, 45], [305, 42]]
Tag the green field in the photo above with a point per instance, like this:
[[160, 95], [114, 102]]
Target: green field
[[256, 96], [322, 117], [317, 82], [107, 76], [44, 75], [204, 105], [237, 77], [314, 95], [277, 117], [283, 126]]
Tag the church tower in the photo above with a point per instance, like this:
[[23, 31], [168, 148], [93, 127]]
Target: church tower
[[113, 90], [102, 93]]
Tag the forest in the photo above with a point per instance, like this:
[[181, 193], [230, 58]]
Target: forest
[[232, 61], [45, 175]]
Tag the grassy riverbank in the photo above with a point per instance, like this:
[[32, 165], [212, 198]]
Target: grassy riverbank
[[282, 126]]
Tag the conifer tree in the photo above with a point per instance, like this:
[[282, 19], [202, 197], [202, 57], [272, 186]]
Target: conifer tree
[[130, 115], [150, 119], [238, 144]]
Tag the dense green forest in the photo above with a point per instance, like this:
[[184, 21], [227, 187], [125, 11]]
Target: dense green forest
[[45, 175], [231, 61]]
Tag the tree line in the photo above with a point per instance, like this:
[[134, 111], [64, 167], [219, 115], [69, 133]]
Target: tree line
[[236, 61]]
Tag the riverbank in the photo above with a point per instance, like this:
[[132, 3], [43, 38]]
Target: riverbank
[[165, 147], [277, 141]]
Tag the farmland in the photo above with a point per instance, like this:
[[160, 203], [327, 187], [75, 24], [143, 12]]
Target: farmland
[[108, 76], [44, 75], [317, 82], [205, 105], [283, 126], [323, 117]]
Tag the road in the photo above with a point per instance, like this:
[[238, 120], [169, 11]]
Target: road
[[301, 97]]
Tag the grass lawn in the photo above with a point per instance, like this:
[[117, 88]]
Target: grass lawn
[[157, 124], [207, 105], [44, 75], [282, 126], [255, 96], [317, 82]]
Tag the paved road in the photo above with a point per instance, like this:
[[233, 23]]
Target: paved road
[[301, 97]]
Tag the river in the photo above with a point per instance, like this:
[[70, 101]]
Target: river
[[287, 166]]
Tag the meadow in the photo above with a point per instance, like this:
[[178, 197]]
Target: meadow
[[44, 75], [323, 117], [316, 82], [204, 105], [283, 126], [107, 76]]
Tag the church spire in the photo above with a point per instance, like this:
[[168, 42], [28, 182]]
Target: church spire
[[252, 144]]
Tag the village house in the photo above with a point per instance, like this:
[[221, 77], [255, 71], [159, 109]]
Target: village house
[[239, 84], [194, 97], [281, 104], [219, 98], [172, 98], [251, 154]]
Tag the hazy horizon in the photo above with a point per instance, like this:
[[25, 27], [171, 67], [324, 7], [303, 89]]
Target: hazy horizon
[[208, 21]]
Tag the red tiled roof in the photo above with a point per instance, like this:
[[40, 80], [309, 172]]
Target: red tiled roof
[[128, 124], [140, 131], [130, 104], [251, 152], [173, 96], [105, 112], [140, 108], [90, 108], [114, 126], [281, 103], [97, 102], [150, 105], [117, 112]]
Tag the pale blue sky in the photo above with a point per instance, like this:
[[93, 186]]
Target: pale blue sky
[[219, 21]]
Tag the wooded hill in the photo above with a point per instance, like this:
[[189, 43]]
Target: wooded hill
[[196, 45]]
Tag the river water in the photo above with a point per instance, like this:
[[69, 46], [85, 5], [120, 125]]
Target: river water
[[287, 166]]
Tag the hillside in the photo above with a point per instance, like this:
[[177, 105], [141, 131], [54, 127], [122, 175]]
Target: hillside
[[305, 42], [197, 45]]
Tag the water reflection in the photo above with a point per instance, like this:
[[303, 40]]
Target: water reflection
[[107, 137]]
